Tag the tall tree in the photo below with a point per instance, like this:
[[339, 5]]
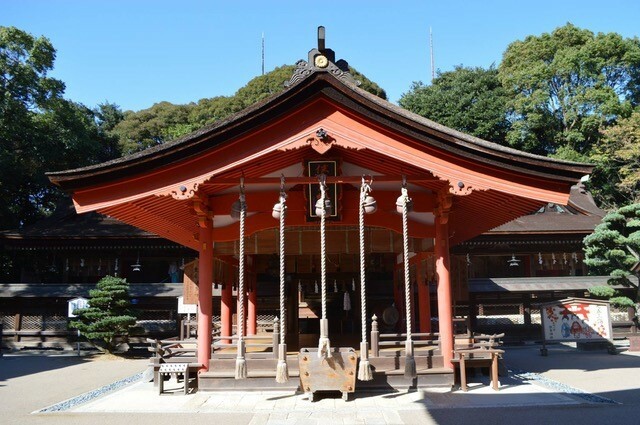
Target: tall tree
[[617, 175], [471, 100], [107, 116], [39, 130], [566, 85]]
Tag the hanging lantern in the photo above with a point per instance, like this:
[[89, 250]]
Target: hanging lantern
[[137, 266], [513, 262]]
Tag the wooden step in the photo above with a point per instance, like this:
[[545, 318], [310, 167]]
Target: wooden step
[[252, 364], [397, 362]]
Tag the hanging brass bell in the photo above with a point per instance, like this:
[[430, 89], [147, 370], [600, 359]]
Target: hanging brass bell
[[327, 206], [370, 205]]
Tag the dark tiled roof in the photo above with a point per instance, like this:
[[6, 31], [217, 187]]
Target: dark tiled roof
[[65, 290], [581, 215], [537, 284], [65, 223]]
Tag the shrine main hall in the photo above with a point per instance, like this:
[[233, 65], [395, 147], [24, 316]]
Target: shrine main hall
[[324, 185]]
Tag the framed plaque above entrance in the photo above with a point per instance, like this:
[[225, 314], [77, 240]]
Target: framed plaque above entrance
[[314, 169]]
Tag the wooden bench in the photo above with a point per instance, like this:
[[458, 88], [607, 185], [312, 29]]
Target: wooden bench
[[173, 369], [481, 352]]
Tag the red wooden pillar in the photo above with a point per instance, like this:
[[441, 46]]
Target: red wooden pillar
[[226, 307], [205, 283], [252, 308], [424, 298], [445, 317]]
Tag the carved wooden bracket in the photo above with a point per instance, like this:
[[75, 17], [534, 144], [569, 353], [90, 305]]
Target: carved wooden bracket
[[444, 206], [461, 189], [321, 142], [185, 192], [458, 188], [201, 209]]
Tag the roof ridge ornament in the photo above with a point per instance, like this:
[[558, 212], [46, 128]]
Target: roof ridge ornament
[[322, 59]]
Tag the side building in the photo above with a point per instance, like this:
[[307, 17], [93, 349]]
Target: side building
[[531, 260], [63, 256]]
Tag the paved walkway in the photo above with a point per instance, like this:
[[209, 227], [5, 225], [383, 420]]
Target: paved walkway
[[539, 390]]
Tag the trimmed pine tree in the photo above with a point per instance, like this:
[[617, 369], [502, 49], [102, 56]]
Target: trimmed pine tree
[[109, 313], [613, 249]]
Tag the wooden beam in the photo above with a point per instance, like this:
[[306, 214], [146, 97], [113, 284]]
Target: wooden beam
[[248, 181]]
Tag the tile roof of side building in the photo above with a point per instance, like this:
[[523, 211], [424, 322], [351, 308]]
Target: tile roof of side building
[[581, 215], [66, 223]]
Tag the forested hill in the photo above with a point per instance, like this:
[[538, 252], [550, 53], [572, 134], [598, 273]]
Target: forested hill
[[165, 121]]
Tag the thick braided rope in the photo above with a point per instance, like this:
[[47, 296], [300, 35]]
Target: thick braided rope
[[363, 299], [405, 246], [283, 318], [243, 213], [323, 250]]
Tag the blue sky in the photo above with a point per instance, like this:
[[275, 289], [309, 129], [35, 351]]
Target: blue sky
[[136, 53]]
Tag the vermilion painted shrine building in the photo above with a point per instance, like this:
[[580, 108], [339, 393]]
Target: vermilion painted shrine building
[[184, 190]]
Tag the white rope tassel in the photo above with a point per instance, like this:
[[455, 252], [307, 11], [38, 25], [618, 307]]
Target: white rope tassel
[[364, 368], [324, 346], [241, 363], [410, 362], [282, 370]]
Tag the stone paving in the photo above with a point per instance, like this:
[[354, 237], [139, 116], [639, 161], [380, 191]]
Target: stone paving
[[273, 407]]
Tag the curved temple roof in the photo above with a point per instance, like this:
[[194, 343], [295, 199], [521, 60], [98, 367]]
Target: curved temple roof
[[322, 115]]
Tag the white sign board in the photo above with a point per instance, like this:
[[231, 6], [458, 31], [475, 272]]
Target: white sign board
[[186, 308], [77, 304], [576, 319]]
